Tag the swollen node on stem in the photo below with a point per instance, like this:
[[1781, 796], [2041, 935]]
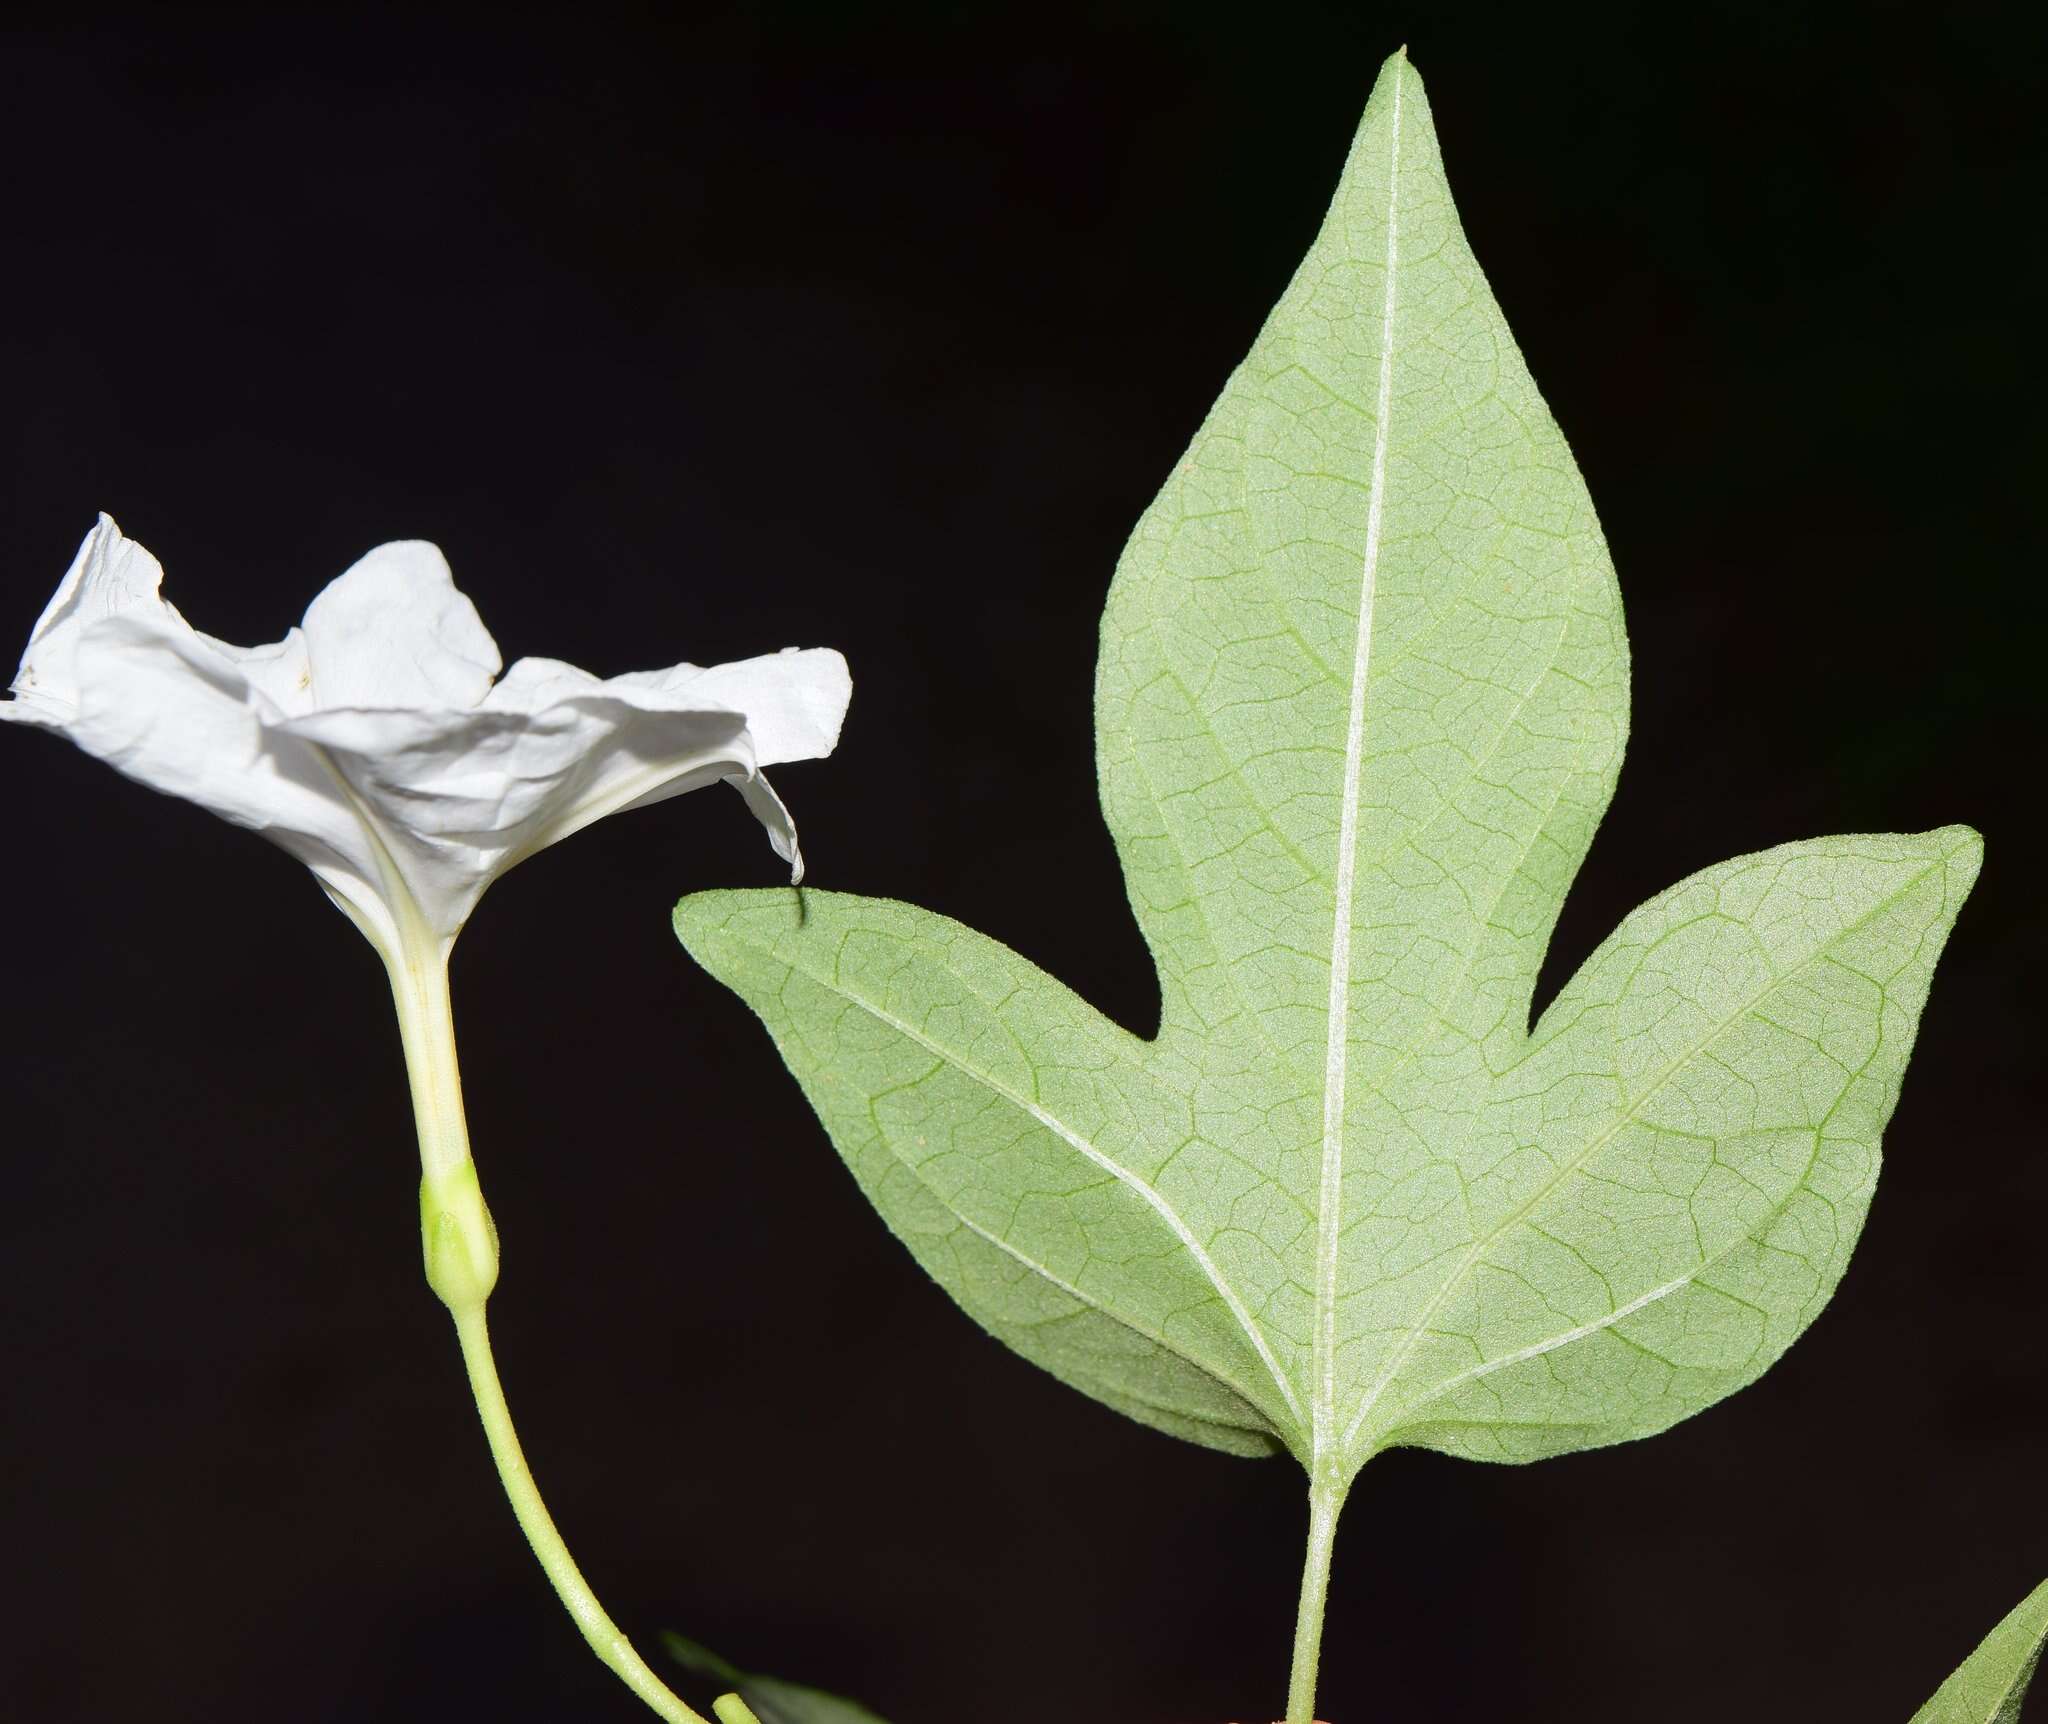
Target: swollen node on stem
[[458, 1239]]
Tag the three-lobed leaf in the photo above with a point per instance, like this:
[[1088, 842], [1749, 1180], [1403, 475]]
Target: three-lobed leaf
[[1990, 1685], [1361, 701]]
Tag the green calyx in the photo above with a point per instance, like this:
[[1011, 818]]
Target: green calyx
[[458, 1239]]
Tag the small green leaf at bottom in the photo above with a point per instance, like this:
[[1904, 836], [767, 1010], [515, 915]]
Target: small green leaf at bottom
[[773, 1701], [1991, 1684]]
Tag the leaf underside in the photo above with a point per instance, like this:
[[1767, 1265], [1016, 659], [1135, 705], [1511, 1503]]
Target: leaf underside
[[1360, 704], [1990, 1686]]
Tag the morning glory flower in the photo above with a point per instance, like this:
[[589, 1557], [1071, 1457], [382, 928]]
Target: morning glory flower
[[377, 742]]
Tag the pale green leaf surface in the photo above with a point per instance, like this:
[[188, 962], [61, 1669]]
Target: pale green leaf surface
[[1360, 705], [1990, 1686]]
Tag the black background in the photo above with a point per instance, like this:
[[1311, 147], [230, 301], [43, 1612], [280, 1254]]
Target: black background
[[696, 332]]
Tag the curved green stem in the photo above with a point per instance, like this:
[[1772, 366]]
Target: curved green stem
[[534, 1520], [460, 1246], [1325, 1502]]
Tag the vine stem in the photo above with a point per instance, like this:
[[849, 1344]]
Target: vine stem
[[534, 1520], [1325, 1502]]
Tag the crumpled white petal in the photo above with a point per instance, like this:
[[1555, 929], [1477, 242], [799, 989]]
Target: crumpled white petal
[[110, 577], [393, 632], [373, 743]]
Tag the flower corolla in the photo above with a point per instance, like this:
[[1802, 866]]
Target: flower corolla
[[377, 742]]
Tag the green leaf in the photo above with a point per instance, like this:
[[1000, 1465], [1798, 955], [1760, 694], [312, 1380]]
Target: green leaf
[[772, 1700], [1991, 1684], [1360, 704], [1361, 700]]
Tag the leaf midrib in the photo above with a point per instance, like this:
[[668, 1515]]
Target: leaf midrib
[[1329, 1209]]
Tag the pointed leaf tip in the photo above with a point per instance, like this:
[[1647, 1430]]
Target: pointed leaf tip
[[1391, 69], [1990, 1686]]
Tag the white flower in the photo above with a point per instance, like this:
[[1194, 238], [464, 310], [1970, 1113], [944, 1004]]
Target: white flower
[[373, 743]]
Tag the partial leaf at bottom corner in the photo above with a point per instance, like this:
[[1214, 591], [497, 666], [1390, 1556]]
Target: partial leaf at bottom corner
[[773, 1700], [1990, 1685]]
